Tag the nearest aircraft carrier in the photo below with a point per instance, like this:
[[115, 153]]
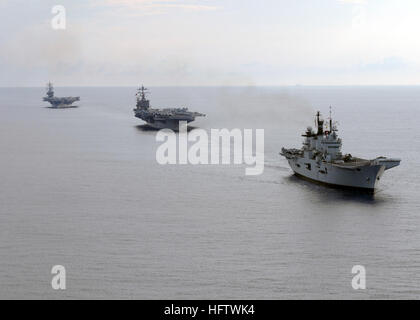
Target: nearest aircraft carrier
[[320, 160]]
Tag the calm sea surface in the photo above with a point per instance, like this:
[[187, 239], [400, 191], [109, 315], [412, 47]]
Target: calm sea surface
[[81, 188]]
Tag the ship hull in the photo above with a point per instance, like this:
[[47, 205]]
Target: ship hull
[[62, 106], [364, 177], [335, 186], [172, 124], [62, 103]]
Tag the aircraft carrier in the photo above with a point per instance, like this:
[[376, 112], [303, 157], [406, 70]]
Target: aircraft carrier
[[59, 102], [320, 160], [168, 118]]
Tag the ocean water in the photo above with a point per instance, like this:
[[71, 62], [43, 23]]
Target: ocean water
[[81, 188]]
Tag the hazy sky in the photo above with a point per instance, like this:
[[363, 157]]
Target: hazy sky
[[211, 42]]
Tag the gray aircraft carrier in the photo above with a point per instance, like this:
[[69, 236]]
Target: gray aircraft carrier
[[59, 102], [168, 118], [320, 160]]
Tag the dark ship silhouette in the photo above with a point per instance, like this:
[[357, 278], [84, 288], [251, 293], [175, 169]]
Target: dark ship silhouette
[[168, 118], [59, 102]]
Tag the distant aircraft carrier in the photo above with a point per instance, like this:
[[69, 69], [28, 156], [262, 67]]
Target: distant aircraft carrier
[[161, 118], [320, 160], [59, 102]]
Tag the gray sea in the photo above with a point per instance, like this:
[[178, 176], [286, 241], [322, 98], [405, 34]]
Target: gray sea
[[82, 188]]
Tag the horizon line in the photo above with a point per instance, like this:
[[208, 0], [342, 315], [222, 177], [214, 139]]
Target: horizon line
[[218, 86]]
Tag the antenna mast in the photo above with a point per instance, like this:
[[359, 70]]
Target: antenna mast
[[50, 90], [141, 98], [331, 128]]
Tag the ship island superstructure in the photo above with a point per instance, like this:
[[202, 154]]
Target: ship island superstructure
[[320, 160], [161, 118], [59, 102]]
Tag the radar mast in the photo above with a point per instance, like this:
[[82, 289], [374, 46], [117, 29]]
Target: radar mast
[[319, 123], [142, 102], [50, 90]]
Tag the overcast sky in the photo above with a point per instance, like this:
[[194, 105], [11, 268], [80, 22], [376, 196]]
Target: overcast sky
[[211, 42]]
